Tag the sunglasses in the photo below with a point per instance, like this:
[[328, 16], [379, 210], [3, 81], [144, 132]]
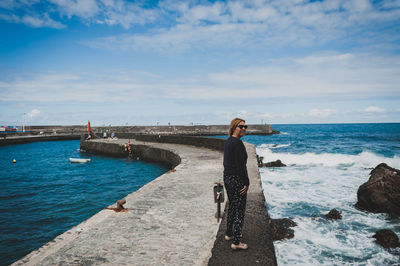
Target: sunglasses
[[242, 126]]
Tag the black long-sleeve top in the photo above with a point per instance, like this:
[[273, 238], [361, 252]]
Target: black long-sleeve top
[[235, 159]]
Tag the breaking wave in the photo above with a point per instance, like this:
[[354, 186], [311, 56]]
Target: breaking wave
[[310, 186]]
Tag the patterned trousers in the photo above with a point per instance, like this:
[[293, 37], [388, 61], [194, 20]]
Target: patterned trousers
[[237, 207]]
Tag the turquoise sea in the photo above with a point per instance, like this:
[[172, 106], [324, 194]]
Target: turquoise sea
[[325, 166], [43, 195]]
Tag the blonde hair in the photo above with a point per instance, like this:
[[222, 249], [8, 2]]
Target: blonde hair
[[234, 123]]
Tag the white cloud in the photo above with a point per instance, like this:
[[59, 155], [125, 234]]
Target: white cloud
[[7, 4], [373, 109], [182, 25], [202, 13], [322, 112], [10, 18], [349, 79], [328, 59], [243, 114], [81, 8], [35, 21], [13, 4], [285, 115], [358, 5], [253, 116], [273, 115], [110, 12], [266, 115], [391, 3], [256, 13], [269, 24], [35, 116], [75, 88], [34, 113], [44, 21], [248, 33], [223, 115], [183, 37], [353, 77]]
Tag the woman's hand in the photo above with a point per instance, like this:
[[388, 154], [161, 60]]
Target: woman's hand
[[243, 191]]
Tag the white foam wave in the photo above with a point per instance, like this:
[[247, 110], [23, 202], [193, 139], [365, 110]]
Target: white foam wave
[[329, 244], [309, 187], [365, 159]]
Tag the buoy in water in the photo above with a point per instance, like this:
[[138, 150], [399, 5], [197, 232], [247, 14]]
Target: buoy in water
[[14, 161]]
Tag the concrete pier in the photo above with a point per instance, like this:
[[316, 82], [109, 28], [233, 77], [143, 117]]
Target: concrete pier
[[170, 220], [18, 139], [195, 130]]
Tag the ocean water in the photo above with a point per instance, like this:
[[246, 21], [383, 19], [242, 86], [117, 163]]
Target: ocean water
[[325, 166], [43, 195]]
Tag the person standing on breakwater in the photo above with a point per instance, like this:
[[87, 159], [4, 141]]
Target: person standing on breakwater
[[236, 182]]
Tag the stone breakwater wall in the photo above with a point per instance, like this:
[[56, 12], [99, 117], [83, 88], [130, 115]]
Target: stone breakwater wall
[[140, 151], [199, 130], [13, 140], [146, 153], [202, 130], [49, 133], [204, 142]]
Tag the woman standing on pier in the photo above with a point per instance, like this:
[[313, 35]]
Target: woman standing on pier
[[236, 182]]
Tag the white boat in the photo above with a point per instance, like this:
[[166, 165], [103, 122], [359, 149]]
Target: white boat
[[79, 160]]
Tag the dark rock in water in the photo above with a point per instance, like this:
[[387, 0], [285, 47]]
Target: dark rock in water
[[276, 163], [260, 161], [333, 215], [381, 193], [280, 228], [387, 238]]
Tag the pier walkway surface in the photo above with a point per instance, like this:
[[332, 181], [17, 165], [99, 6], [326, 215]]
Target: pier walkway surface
[[171, 220]]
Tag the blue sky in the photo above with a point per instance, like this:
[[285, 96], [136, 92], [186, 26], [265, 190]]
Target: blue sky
[[203, 62]]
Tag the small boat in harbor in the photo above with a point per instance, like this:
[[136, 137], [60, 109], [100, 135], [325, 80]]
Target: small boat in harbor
[[79, 160]]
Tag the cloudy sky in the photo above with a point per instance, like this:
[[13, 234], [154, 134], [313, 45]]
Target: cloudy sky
[[203, 62]]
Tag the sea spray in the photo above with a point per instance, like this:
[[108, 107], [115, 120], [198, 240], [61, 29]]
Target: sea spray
[[306, 190], [364, 159], [325, 166]]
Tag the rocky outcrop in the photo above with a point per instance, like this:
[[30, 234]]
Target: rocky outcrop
[[386, 238], [280, 228], [260, 161], [333, 215], [277, 163], [381, 193]]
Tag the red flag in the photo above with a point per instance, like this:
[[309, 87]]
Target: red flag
[[88, 127]]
